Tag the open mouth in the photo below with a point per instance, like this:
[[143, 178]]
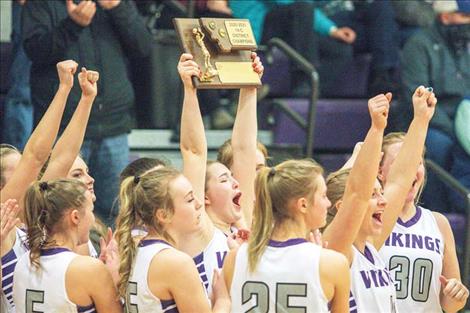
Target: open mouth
[[377, 216], [236, 199]]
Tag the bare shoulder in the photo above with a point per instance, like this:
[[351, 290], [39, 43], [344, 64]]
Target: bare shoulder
[[442, 223], [333, 257], [86, 266], [172, 262]]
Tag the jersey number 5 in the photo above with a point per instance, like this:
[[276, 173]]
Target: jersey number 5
[[32, 297], [283, 292]]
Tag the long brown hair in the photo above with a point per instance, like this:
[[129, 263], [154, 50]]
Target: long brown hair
[[45, 205], [140, 197], [274, 188]]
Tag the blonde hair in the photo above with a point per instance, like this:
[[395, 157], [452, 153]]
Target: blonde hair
[[225, 153], [274, 188], [399, 137], [335, 186], [5, 150], [45, 205], [140, 198]]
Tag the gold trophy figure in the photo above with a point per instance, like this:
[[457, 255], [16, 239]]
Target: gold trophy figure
[[209, 70]]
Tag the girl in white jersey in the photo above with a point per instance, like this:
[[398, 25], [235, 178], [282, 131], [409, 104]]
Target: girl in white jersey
[[50, 277], [19, 170], [420, 249], [359, 224], [278, 269], [154, 276], [209, 246]]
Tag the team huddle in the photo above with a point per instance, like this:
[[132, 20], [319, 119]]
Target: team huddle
[[231, 235]]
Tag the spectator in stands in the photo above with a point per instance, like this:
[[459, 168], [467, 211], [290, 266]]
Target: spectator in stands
[[98, 35], [439, 57], [18, 114], [375, 31], [411, 15], [291, 21]]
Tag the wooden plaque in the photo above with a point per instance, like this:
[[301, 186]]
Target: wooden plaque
[[222, 48]]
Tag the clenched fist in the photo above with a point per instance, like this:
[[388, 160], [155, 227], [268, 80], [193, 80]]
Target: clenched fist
[[66, 70], [378, 110], [87, 80], [424, 103]]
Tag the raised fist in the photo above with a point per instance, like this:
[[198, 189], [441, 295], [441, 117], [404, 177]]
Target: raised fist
[[188, 68], [87, 80], [81, 13], [424, 103], [378, 110], [66, 70]]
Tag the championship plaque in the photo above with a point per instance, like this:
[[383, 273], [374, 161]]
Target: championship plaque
[[222, 48]]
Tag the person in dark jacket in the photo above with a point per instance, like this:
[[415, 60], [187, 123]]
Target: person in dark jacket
[[99, 35], [439, 57]]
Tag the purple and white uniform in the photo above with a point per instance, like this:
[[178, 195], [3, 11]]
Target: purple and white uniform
[[372, 286], [141, 299], [211, 258], [9, 262], [414, 254], [286, 279], [43, 289]]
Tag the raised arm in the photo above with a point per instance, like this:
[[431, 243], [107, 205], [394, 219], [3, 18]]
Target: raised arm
[[68, 146], [403, 170], [244, 139], [193, 143], [38, 147], [343, 230]]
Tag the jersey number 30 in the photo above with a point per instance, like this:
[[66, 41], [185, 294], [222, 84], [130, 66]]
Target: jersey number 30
[[259, 289], [421, 277]]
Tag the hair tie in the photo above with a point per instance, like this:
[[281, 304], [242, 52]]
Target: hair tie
[[136, 179], [272, 172], [43, 186]]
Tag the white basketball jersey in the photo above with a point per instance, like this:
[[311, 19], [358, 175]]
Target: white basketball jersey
[[212, 258], [9, 261], [91, 250], [140, 297], [286, 278], [414, 254], [43, 289], [372, 288]]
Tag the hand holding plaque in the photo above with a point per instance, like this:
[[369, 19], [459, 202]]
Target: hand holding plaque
[[222, 49]]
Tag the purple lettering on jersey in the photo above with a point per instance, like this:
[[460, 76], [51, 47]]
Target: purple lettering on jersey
[[383, 278], [221, 258], [373, 274], [396, 240], [387, 242], [417, 241], [365, 278], [407, 240], [429, 243], [438, 249]]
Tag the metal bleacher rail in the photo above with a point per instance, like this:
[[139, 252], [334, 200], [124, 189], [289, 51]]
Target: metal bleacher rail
[[308, 125], [456, 186]]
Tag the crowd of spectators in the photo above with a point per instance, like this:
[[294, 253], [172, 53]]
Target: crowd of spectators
[[411, 43]]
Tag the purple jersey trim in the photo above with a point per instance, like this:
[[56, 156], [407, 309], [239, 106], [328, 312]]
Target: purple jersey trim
[[52, 251], [287, 243], [86, 309], [148, 242], [369, 255], [412, 221]]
